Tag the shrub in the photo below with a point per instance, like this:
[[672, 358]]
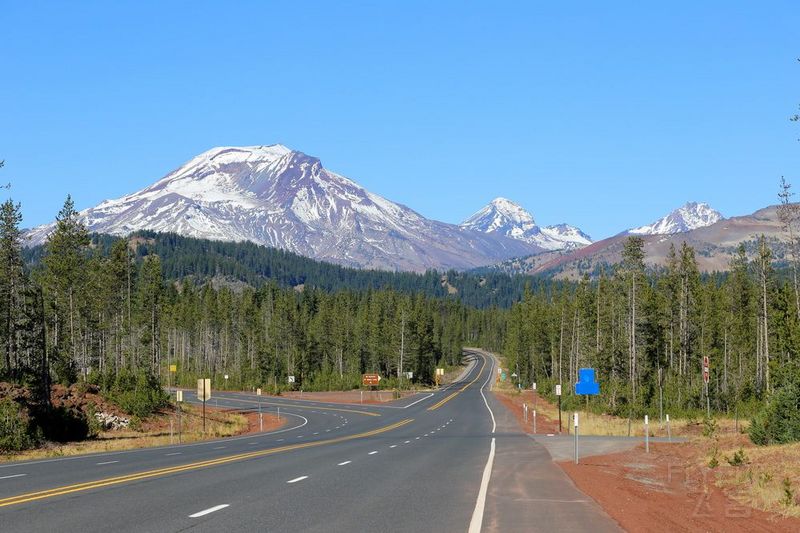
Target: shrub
[[16, 432], [778, 422], [739, 458], [137, 393]]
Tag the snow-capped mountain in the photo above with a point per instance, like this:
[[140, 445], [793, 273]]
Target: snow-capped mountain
[[504, 217], [278, 197], [692, 215]]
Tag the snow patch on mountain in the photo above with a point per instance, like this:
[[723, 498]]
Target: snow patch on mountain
[[279, 197], [504, 217], [690, 216]]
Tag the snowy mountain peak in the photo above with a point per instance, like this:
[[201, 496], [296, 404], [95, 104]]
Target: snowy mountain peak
[[505, 217], [279, 197], [690, 216]]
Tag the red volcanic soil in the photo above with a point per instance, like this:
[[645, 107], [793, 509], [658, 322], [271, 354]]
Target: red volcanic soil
[[665, 490], [351, 397]]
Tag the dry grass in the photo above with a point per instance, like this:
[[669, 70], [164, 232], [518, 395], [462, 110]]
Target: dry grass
[[155, 432], [760, 481]]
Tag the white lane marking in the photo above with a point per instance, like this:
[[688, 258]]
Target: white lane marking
[[316, 433], [295, 480], [416, 438], [480, 505], [344, 463], [219, 448], [393, 446], [173, 453], [252, 443], [327, 431], [373, 452], [209, 510], [407, 442], [106, 463], [13, 475]]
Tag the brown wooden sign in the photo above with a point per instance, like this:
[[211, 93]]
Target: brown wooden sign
[[371, 380]]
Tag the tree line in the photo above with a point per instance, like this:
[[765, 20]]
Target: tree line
[[647, 333], [99, 309]]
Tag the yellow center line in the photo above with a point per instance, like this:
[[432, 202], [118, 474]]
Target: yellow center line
[[78, 487], [301, 406], [450, 397]]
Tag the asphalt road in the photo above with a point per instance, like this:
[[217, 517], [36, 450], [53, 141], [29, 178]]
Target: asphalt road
[[431, 462]]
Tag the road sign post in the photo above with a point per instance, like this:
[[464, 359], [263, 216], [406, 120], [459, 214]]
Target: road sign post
[[576, 437], [558, 393], [706, 376], [178, 400], [204, 394]]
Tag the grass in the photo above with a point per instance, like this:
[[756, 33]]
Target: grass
[[155, 432], [763, 477]]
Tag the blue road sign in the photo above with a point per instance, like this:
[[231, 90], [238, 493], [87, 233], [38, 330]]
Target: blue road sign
[[586, 383]]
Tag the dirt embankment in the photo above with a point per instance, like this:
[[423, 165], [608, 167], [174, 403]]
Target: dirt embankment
[[666, 490], [351, 397]]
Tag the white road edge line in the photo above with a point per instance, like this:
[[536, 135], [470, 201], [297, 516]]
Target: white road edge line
[[295, 480], [173, 453], [209, 510], [106, 463], [480, 505], [13, 475]]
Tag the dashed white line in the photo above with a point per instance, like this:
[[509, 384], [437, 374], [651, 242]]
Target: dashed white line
[[219, 448], [295, 480], [209, 510], [106, 463], [344, 463], [407, 442], [13, 475], [373, 452], [393, 446], [173, 453]]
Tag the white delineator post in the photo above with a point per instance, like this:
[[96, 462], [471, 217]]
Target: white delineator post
[[646, 434], [534, 420], [576, 437], [525, 411], [669, 433]]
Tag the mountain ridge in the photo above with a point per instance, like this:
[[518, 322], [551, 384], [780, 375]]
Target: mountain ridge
[[283, 198], [505, 217]]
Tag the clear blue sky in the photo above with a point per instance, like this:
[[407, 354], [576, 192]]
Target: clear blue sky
[[602, 114]]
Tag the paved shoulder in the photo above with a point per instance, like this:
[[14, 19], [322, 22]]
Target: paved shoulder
[[528, 492]]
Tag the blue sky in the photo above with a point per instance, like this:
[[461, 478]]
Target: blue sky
[[601, 114]]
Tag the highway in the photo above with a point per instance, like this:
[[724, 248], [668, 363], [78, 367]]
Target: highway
[[447, 461]]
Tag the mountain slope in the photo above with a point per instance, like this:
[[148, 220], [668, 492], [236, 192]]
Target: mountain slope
[[715, 245], [278, 197], [504, 217], [690, 216]]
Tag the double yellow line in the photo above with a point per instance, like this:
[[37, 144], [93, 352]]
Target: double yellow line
[[89, 485], [450, 397], [296, 406]]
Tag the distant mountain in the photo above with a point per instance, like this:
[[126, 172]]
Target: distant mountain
[[504, 217], [283, 198], [692, 215], [715, 246]]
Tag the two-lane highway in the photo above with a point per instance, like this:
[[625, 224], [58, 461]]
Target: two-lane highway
[[421, 464]]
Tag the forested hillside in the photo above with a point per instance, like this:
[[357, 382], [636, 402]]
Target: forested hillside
[[203, 260], [119, 312], [647, 334]]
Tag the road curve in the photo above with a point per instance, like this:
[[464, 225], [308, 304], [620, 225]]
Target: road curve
[[415, 466]]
